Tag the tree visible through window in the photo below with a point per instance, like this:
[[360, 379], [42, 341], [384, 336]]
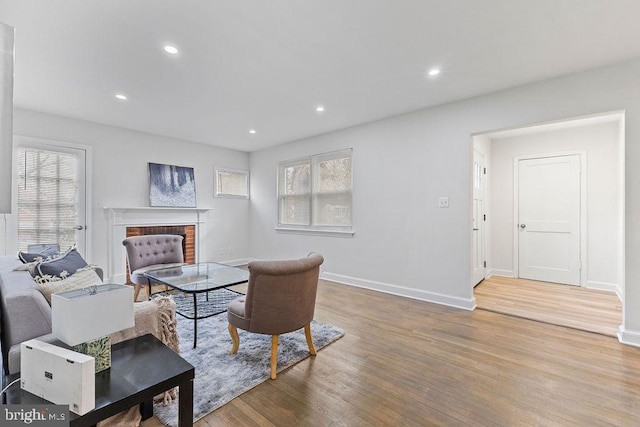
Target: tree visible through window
[[316, 191]]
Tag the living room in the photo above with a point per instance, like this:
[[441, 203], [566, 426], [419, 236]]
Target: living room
[[403, 243]]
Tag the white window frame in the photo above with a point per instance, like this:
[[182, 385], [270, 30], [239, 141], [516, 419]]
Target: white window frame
[[232, 171], [313, 161]]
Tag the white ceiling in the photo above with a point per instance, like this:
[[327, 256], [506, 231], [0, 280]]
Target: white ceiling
[[266, 64]]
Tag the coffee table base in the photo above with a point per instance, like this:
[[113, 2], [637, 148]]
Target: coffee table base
[[205, 304]]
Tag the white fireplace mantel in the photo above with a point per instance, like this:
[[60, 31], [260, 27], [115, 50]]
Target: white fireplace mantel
[[121, 218]]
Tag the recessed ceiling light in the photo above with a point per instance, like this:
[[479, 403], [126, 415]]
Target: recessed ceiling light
[[434, 72], [121, 97], [252, 131], [171, 49], [320, 108]]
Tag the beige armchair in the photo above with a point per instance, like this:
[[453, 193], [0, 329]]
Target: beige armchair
[[151, 252], [281, 298]]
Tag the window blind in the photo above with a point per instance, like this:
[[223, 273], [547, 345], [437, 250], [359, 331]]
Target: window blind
[[47, 197], [232, 183]]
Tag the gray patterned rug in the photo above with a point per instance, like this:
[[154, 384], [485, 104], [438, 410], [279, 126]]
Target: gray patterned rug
[[221, 377]]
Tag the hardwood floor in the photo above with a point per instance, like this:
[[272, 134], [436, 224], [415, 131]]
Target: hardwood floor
[[411, 363], [575, 307]]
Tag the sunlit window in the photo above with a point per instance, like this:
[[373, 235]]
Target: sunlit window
[[316, 192]]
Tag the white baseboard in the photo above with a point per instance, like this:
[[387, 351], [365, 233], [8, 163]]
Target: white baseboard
[[465, 304], [237, 262], [498, 272], [603, 286], [628, 337]]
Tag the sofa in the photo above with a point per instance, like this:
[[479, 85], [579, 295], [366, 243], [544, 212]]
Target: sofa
[[26, 314]]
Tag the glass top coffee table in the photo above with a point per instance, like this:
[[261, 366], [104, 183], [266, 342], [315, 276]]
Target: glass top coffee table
[[206, 283]]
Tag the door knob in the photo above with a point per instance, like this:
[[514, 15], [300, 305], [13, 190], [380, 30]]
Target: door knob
[[523, 225], [78, 227]]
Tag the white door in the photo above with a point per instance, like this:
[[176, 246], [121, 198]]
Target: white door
[[549, 219], [478, 257], [51, 195]]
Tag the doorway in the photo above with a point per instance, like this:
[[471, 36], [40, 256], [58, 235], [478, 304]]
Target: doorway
[[567, 238], [570, 306], [479, 217]]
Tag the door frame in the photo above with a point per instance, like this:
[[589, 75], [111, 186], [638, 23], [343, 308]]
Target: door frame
[[582, 154], [45, 143], [482, 226]]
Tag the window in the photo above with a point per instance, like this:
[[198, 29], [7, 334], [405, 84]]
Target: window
[[314, 192], [48, 197], [231, 183]]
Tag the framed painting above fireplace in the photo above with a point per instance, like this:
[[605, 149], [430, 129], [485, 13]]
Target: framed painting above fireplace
[[171, 186]]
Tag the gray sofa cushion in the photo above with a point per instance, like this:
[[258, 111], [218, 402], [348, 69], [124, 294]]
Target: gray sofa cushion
[[25, 311]]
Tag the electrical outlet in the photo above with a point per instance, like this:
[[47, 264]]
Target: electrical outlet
[[229, 250], [443, 202]]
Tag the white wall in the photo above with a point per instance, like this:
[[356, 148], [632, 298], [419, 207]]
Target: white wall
[[119, 178], [600, 142], [395, 215], [404, 243]]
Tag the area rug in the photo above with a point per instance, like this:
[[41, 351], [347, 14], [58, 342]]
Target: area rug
[[221, 377]]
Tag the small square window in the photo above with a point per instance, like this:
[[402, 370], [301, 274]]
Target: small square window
[[231, 183]]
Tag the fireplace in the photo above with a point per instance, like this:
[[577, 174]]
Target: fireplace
[[127, 222]]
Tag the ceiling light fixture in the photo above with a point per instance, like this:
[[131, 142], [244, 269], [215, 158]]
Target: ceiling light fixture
[[121, 97], [252, 131], [171, 49], [434, 72], [320, 108]]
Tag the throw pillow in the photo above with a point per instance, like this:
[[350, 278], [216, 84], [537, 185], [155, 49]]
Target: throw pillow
[[30, 267], [82, 278], [64, 266], [27, 257], [47, 253]]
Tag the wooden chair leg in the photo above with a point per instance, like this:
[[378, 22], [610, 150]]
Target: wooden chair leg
[[307, 333], [274, 355], [233, 331], [136, 292]]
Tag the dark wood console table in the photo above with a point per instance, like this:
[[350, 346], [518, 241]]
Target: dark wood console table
[[141, 368]]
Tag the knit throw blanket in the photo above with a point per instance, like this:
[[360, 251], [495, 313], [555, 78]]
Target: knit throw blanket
[[156, 317]]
